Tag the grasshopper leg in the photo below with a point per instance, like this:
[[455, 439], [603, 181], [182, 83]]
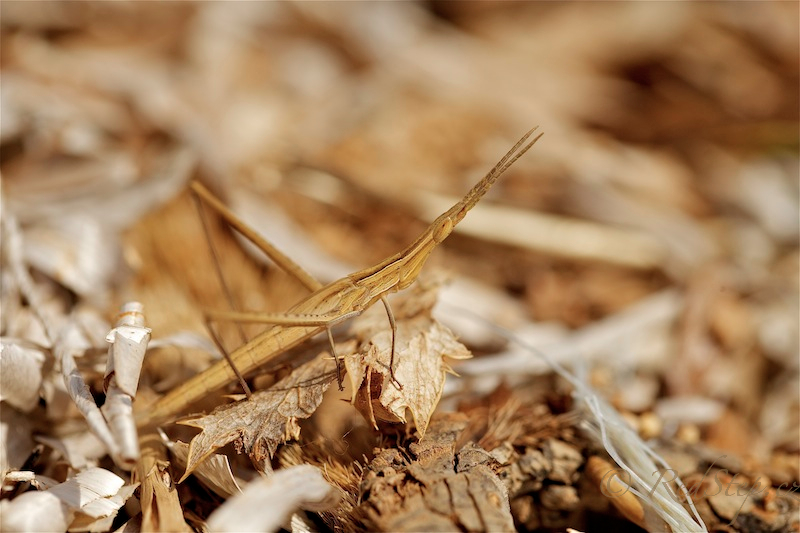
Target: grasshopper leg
[[282, 260], [308, 320], [201, 195], [393, 324], [335, 358], [221, 348], [283, 319]]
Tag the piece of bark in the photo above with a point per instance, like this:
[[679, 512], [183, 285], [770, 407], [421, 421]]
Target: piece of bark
[[565, 460], [438, 490], [732, 495], [560, 498]]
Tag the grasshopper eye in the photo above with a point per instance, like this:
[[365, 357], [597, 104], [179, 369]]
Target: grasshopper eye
[[442, 230]]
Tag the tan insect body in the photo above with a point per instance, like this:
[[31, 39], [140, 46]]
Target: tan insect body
[[327, 305]]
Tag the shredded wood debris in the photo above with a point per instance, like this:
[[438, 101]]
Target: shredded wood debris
[[647, 246], [81, 502], [20, 376], [158, 496]]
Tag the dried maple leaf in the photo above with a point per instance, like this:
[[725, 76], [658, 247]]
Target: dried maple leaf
[[267, 419], [421, 346]]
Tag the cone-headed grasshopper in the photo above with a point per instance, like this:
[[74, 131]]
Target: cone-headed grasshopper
[[327, 305]]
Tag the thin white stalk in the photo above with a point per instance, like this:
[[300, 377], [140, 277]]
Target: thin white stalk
[[627, 449]]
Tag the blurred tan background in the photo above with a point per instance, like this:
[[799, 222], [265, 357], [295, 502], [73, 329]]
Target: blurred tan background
[[669, 162]]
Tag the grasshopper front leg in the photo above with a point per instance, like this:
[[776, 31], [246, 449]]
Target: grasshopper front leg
[[279, 258], [290, 267]]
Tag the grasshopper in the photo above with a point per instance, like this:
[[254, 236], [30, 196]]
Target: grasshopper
[[327, 305]]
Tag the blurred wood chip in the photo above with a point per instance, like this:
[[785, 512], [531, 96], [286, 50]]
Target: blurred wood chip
[[437, 488], [267, 503]]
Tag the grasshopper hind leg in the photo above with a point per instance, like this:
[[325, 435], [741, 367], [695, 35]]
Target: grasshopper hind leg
[[393, 324], [335, 358], [221, 348]]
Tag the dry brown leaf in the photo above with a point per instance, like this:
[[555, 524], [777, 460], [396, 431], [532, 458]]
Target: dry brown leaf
[[421, 346], [215, 472], [267, 419]]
